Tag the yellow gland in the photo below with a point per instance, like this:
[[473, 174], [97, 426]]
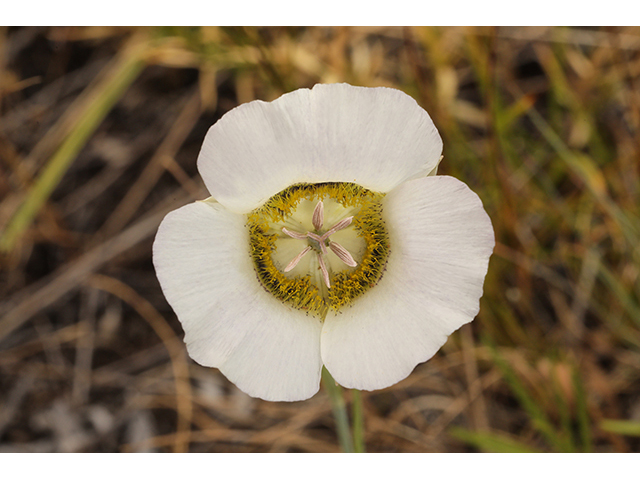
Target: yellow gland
[[319, 246]]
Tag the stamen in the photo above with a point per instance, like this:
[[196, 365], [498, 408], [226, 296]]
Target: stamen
[[319, 240], [292, 234], [318, 216], [323, 268], [296, 260], [338, 226], [342, 254]]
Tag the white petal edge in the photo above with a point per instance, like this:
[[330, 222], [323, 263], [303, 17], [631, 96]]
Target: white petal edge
[[270, 351], [375, 137], [441, 240]]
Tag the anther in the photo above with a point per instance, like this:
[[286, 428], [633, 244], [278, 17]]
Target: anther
[[318, 216], [296, 260], [292, 234], [342, 254], [323, 269], [338, 226]]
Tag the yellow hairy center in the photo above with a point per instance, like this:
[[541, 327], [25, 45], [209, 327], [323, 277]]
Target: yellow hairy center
[[319, 246]]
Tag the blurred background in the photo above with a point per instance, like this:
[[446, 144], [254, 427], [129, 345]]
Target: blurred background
[[100, 129]]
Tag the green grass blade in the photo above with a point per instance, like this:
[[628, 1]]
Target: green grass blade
[[582, 413], [107, 93], [620, 292], [584, 168], [566, 432], [539, 419], [622, 427], [490, 442]]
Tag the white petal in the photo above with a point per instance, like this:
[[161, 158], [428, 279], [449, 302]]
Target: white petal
[[441, 240], [270, 351], [375, 137]]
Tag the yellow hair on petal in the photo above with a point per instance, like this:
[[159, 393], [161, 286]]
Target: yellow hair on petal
[[299, 292]]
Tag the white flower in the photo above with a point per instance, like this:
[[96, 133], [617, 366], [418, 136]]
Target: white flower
[[327, 240]]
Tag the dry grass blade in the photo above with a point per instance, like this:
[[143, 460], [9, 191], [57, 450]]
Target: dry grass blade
[[173, 344], [129, 205], [23, 305], [100, 129]]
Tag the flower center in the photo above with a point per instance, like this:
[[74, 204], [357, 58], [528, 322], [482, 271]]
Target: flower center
[[319, 246]]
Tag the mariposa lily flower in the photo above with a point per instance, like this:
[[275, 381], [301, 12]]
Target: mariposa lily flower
[[327, 239]]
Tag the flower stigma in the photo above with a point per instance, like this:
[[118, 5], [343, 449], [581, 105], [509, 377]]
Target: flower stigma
[[319, 246]]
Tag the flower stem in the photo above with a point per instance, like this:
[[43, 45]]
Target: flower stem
[[358, 421], [339, 408]]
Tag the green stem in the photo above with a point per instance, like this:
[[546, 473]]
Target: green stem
[[358, 421], [339, 408]]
